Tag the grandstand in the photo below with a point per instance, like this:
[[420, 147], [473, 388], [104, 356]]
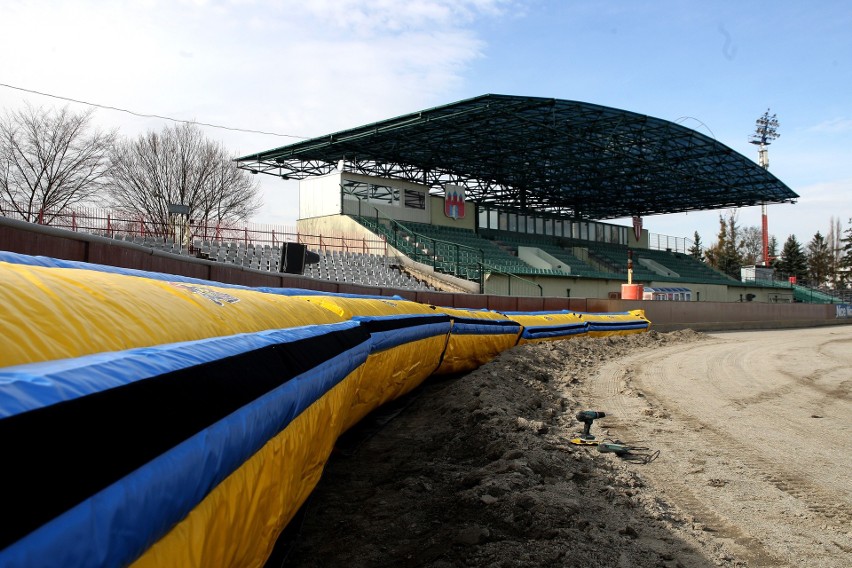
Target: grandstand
[[500, 189], [366, 269], [501, 195], [369, 269], [522, 255]]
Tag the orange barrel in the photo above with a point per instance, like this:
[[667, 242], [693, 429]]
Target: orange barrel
[[632, 291]]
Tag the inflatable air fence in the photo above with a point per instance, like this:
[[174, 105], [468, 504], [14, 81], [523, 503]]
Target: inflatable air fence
[[548, 326], [616, 323], [477, 336], [407, 341], [152, 420]]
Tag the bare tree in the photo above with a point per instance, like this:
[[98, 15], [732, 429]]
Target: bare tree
[[49, 160], [835, 248], [751, 245], [845, 269], [179, 166]]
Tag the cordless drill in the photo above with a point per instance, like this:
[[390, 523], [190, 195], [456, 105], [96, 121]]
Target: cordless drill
[[587, 417]]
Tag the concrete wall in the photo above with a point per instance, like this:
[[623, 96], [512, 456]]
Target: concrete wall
[[334, 226], [539, 259], [28, 238], [395, 210], [642, 243], [319, 196], [716, 316], [575, 287]]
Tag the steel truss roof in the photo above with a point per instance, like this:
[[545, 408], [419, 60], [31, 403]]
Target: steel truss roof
[[528, 153]]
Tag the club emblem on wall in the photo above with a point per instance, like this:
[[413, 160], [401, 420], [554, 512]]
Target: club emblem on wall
[[637, 227], [454, 202]]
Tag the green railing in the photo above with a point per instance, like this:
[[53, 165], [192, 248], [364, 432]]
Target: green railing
[[813, 296], [444, 256], [801, 293]]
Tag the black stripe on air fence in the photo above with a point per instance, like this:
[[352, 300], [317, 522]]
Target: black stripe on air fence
[[57, 456], [533, 329], [381, 324]]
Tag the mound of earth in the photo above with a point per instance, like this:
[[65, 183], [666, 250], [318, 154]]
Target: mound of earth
[[477, 470]]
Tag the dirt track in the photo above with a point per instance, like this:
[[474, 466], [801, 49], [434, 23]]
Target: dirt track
[[755, 437], [757, 427]]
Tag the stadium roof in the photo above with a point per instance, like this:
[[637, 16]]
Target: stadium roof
[[566, 157]]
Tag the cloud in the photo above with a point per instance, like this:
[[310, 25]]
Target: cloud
[[833, 126], [392, 17], [302, 68], [835, 194], [216, 59]]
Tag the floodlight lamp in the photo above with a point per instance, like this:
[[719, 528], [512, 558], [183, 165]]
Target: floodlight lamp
[[766, 131]]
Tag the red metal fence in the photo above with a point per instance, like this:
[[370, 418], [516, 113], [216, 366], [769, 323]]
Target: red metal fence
[[194, 235]]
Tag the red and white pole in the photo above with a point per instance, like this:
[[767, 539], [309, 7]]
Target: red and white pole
[[765, 221]]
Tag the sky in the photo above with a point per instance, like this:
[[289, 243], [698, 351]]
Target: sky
[[308, 68]]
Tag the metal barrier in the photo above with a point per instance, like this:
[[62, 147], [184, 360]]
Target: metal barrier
[[119, 226], [668, 243]]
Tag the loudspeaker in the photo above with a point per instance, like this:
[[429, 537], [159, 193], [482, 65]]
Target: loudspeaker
[[293, 258]]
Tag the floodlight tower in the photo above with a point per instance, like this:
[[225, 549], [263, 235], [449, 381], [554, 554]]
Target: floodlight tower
[[765, 132]]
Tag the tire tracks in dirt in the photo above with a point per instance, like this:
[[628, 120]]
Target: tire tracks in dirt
[[616, 390], [645, 401]]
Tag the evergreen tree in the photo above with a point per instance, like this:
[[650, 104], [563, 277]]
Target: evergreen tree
[[695, 250], [819, 260], [713, 254], [773, 251], [724, 255], [733, 260], [793, 261]]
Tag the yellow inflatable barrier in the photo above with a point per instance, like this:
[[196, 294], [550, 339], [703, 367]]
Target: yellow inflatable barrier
[[477, 336], [57, 313], [408, 341], [191, 421], [548, 326], [617, 323], [238, 523]]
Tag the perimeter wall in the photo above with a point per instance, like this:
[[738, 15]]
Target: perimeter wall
[[39, 240]]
